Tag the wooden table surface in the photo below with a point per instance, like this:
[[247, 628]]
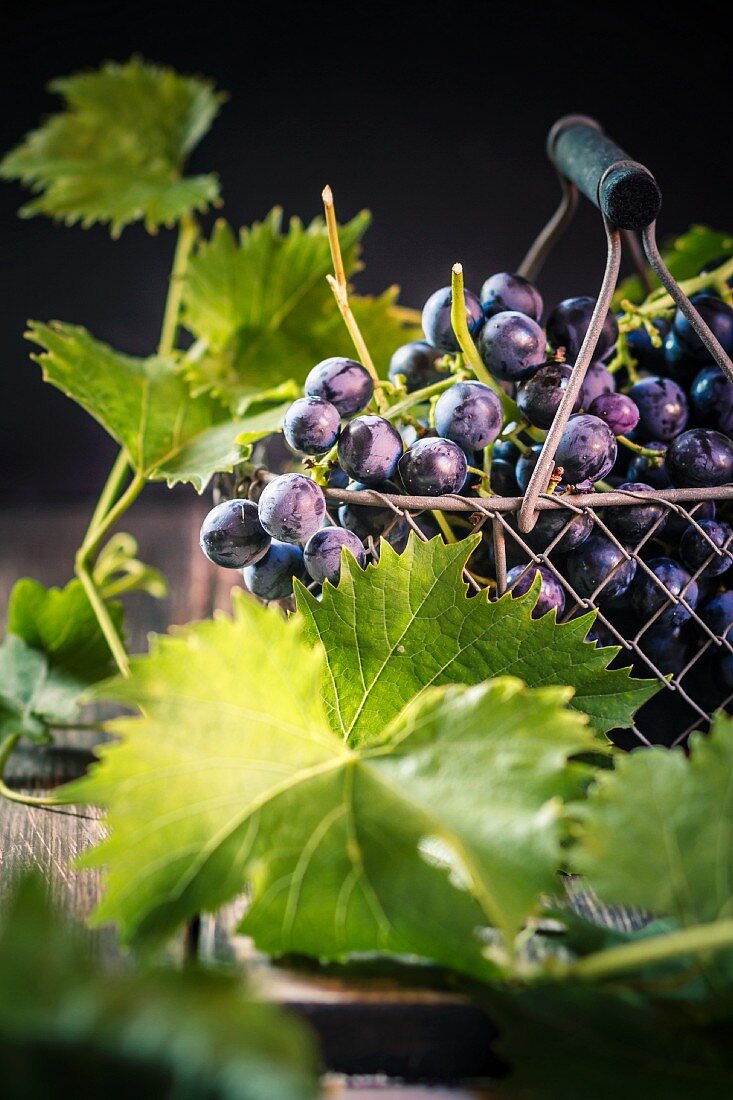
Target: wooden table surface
[[40, 542]]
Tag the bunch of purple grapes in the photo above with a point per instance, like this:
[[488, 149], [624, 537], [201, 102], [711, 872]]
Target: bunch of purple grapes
[[658, 416]]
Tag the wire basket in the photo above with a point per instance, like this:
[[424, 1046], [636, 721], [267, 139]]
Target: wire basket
[[628, 198]]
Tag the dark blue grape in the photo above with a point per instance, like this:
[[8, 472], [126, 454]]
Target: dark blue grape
[[679, 362], [322, 553], [575, 528], [695, 549], [719, 318], [232, 535], [598, 381], [526, 464], [643, 351], [470, 414], [506, 450], [338, 478], [503, 292], [568, 324], [311, 425], [436, 321], [539, 397], [432, 467], [717, 614], [711, 395], [504, 479], [726, 669], [650, 470], [631, 522], [271, 578], [666, 648], [521, 578], [365, 520], [512, 346], [416, 362], [700, 458], [587, 449], [292, 508], [662, 407], [647, 596], [344, 382], [369, 449], [617, 410], [599, 562], [678, 522], [600, 634]]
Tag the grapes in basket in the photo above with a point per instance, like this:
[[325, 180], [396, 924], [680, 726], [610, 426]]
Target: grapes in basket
[[464, 413]]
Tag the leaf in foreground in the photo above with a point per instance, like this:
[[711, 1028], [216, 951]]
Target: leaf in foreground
[[657, 832], [447, 822], [265, 312], [407, 623], [69, 1031], [116, 153], [147, 407], [53, 650]]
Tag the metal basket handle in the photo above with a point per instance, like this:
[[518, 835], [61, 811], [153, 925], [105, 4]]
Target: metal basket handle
[[629, 199]]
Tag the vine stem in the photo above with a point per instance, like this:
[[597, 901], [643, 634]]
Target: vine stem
[[653, 949], [7, 748], [187, 234], [659, 303], [340, 289]]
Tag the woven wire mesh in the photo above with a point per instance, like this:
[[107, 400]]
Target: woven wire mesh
[[691, 689]]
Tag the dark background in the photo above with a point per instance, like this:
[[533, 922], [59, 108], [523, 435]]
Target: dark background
[[434, 119]]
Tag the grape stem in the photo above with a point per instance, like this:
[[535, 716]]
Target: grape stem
[[637, 448], [660, 303], [417, 397], [716, 936], [340, 289], [7, 747]]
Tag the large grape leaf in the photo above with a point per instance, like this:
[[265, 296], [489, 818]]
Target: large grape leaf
[[265, 313], [116, 153], [69, 1029], [407, 623], [684, 256], [147, 407], [53, 650], [658, 831], [450, 820]]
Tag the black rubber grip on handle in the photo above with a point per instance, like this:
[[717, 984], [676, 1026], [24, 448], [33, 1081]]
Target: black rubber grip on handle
[[623, 189]]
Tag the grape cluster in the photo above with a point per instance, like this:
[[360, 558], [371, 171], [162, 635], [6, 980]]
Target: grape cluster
[[654, 412]]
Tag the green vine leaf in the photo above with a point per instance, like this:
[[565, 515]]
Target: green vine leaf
[[407, 624], [115, 154], [399, 847], [657, 832], [70, 1029], [52, 652], [147, 407], [264, 312], [684, 256]]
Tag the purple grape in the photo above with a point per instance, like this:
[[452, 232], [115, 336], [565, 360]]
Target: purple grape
[[599, 562], [575, 527], [504, 292], [521, 578], [292, 508], [719, 318], [700, 458], [568, 324], [648, 597], [711, 395], [512, 346], [539, 397], [666, 648], [311, 425], [718, 614], [643, 351], [652, 471], [587, 449], [470, 414], [417, 363], [662, 407], [344, 382], [678, 522], [322, 553], [436, 321], [369, 449], [598, 381], [617, 410], [629, 523], [271, 578], [526, 464], [695, 549], [365, 520], [432, 467], [232, 535]]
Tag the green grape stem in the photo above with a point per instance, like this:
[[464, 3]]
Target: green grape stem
[[637, 448]]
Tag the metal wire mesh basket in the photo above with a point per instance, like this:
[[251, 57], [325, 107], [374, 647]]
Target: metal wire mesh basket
[[628, 198]]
